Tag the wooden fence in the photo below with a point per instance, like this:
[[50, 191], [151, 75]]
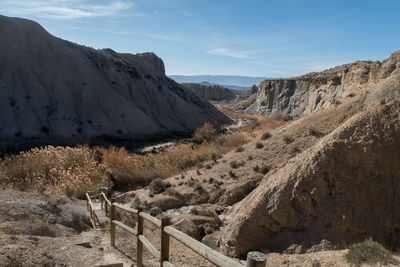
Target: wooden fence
[[254, 258]]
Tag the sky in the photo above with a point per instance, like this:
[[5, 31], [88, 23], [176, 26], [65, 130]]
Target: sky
[[280, 38]]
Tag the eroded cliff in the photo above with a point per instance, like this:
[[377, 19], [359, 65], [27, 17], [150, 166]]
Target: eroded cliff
[[299, 96], [55, 89]]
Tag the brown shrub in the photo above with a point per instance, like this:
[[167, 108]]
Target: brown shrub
[[259, 145], [53, 170], [204, 133]]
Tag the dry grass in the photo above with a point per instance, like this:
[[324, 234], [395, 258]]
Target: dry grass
[[264, 123], [130, 170], [204, 133], [61, 170], [73, 171]]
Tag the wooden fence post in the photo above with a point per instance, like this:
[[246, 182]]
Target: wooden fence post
[[106, 207], [139, 245], [165, 221], [256, 259], [112, 225]]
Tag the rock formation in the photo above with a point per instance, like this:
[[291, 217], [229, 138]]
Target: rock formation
[[342, 189], [54, 89], [253, 89], [299, 96], [210, 92]]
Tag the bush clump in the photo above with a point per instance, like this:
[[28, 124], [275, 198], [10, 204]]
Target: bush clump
[[266, 136], [264, 169], [204, 133], [287, 139], [259, 145], [234, 164], [314, 132], [368, 251], [53, 170], [158, 186]]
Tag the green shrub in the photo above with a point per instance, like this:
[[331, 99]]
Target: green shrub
[[207, 212], [158, 186], [266, 135], [368, 251], [314, 132], [232, 174], [287, 139], [259, 145], [234, 164]]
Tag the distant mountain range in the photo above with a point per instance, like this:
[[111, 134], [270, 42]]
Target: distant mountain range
[[229, 81]]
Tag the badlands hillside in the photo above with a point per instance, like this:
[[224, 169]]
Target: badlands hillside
[[301, 191], [219, 95], [52, 89], [324, 181], [210, 92], [303, 95]]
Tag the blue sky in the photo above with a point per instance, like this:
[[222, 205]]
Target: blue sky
[[254, 38]]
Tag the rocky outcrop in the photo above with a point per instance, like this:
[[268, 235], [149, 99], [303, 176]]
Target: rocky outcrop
[[55, 89], [299, 96], [253, 89], [343, 189], [155, 61], [210, 92]]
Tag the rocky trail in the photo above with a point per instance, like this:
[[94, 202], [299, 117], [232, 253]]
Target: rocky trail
[[40, 230]]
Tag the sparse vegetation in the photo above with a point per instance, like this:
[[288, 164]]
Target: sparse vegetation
[[314, 132], [259, 145], [74, 170], [53, 170], [239, 149], [205, 133], [203, 212], [368, 251], [266, 136], [294, 150], [264, 169], [232, 174], [158, 186], [234, 164], [287, 139], [172, 192]]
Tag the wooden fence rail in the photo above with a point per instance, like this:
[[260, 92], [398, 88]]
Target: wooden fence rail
[[254, 259]]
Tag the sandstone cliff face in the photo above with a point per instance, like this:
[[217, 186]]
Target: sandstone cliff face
[[51, 88], [303, 95], [210, 92], [343, 189]]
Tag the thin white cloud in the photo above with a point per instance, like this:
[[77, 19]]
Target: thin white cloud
[[63, 9], [228, 53]]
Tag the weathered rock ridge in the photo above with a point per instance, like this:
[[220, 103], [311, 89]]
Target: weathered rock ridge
[[343, 189], [299, 96], [210, 92], [51, 88]]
